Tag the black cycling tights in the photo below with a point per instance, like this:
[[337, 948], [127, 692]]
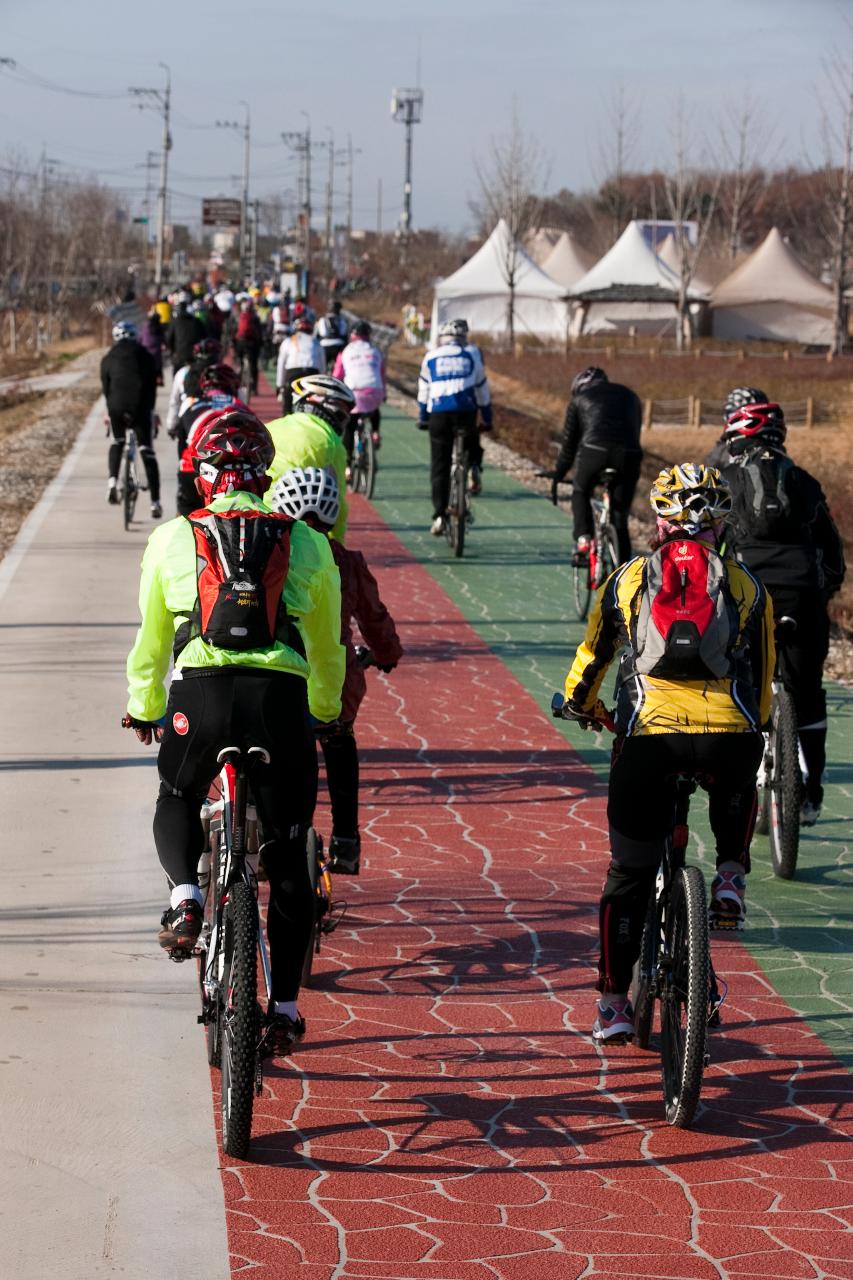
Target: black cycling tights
[[244, 708], [340, 754], [640, 811]]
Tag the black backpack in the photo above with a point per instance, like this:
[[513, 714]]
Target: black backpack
[[762, 509]]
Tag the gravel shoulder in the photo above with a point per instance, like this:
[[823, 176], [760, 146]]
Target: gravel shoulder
[[35, 435]]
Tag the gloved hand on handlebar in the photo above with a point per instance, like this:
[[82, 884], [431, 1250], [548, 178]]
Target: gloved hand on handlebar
[[147, 731], [554, 486], [598, 718]]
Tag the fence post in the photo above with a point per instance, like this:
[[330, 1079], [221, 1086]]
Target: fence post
[[829, 356], [647, 416], [786, 355], [697, 412], [691, 401], [13, 334], [809, 412]]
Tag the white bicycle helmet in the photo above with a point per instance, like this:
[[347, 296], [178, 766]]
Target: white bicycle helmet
[[453, 331], [305, 491], [124, 329], [691, 495]]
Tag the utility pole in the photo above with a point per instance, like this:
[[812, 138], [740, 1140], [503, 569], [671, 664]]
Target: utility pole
[[330, 182], [253, 260], [350, 153], [246, 129], [163, 101], [407, 108], [379, 207], [300, 142]]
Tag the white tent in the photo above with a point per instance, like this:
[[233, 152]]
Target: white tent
[[668, 253], [566, 262], [478, 292], [772, 295], [540, 242], [629, 288]]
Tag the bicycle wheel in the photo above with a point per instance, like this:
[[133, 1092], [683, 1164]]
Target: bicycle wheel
[[609, 560], [684, 996], [369, 464], [313, 848], [456, 509], [129, 489], [762, 821], [786, 785], [581, 590], [643, 998], [240, 1023], [245, 391]]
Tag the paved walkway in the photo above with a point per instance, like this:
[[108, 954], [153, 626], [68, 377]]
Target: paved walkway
[[448, 1117]]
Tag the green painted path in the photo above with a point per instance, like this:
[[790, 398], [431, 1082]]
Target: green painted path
[[513, 587]]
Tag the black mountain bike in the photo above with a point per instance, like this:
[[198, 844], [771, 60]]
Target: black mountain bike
[[459, 515], [780, 778], [675, 967], [129, 483], [363, 459], [591, 570]]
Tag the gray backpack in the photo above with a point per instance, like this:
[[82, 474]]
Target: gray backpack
[[687, 622]]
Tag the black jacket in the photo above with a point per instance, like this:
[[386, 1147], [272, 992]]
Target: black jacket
[[183, 333], [813, 558], [602, 415], [129, 378]]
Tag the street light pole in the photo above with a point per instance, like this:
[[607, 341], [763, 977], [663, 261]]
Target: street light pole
[[329, 196], [244, 210]]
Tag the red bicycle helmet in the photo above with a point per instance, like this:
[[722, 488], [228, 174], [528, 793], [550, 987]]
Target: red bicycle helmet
[[219, 377], [233, 450], [207, 349], [756, 422]]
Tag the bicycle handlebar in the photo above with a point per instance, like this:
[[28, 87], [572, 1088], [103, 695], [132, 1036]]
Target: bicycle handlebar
[[600, 718], [367, 658]]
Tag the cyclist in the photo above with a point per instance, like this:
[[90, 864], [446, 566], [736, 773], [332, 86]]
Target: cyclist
[[694, 685], [218, 387], [602, 429], [129, 384], [782, 530], [719, 455], [362, 367], [298, 355], [183, 332], [245, 696], [185, 381], [332, 331], [311, 494], [249, 338], [452, 389], [311, 436]]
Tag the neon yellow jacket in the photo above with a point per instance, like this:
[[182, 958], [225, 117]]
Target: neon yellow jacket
[[168, 592], [301, 440], [648, 704]]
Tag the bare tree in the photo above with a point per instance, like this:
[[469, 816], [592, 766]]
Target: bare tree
[[624, 130], [510, 186], [742, 141], [838, 140], [691, 200]]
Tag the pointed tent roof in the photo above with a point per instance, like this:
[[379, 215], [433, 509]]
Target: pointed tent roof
[[484, 272], [772, 273], [540, 242], [670, 257], [631, 272], [566, 262]]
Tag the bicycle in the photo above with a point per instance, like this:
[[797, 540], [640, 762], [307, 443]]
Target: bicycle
[[674, 966], [782, 771], [363, 461], [590, 570], [246, 385], [459, 513]]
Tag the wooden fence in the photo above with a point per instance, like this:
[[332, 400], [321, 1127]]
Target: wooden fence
[[693, 411]]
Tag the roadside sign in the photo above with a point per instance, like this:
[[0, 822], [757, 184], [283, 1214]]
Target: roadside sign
[[220, 212]]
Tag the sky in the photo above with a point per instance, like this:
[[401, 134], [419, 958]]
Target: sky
[[562, 61]]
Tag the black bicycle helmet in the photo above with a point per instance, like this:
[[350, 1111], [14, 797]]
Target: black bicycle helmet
[[587, 378], [740, 396]]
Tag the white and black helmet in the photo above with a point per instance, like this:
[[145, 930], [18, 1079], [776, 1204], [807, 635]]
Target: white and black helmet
[[305, 491], [123, 329], [454, 330]]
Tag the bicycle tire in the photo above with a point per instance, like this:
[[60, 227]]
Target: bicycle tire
[[685, 984], [245, 392], [456, 511], [643, 998], [369, 474], [240, 1022], [762, 821], [313, 946], [610, 556], [786, 785], [581, 590], [128, 490], [213, 1027]]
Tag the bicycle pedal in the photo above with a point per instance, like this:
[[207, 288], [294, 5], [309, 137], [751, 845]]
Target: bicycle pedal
[[180, 954], [725, 924]]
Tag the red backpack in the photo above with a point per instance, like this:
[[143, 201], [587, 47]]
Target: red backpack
[[242, 563], [687, 624], [248, 325]]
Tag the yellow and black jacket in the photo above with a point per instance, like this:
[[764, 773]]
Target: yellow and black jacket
[[647, 704]]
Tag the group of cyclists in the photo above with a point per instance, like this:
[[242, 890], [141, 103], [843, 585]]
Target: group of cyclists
[[252, 592]]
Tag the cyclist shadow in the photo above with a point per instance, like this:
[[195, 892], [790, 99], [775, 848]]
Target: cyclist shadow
[[532, 1128]]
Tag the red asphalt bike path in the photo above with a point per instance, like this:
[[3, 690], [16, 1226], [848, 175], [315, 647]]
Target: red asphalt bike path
[[447, 1117]]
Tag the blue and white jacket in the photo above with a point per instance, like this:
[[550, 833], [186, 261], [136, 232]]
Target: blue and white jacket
[[453, 380]]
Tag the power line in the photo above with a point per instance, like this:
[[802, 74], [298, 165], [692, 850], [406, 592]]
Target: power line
[[23, 74]]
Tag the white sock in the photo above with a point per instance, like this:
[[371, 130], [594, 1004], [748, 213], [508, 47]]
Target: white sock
[[288, 1008], [181, 892]]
